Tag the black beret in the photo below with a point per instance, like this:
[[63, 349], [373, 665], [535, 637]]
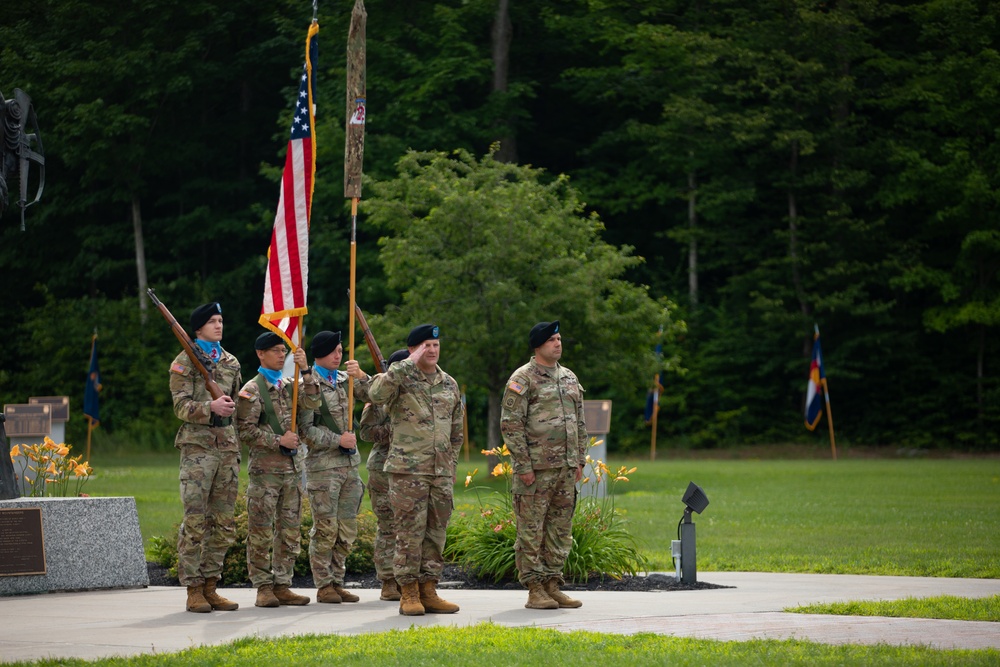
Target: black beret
[[202, 314], [324, 343], [541, 332], [421, 333], [398, 355], [267, 340]]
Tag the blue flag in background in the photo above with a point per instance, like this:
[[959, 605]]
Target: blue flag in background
[[91, 404], [816, 386], [653, 397]]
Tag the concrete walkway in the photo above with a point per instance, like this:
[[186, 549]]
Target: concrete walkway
[[152, 620]]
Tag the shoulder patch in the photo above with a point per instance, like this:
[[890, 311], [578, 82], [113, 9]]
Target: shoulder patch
[[245, 394], [178, 368], [516, 387]]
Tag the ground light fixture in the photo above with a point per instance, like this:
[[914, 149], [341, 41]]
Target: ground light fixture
[[683, 548]]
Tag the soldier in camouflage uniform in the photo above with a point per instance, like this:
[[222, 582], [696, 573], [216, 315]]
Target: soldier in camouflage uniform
[[542, 424], [374, 427], [274, 497], [333, 483], [425, 414], [210, 462]]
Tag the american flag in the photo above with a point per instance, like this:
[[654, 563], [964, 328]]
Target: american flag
[[287, 280]]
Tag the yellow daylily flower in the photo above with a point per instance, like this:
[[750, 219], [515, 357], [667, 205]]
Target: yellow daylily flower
[[51, 470], [63, 450], [15, 451]]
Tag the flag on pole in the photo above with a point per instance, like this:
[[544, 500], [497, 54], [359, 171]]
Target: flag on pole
[[653, 397], [91, 406], [816, 386], [287, 279]]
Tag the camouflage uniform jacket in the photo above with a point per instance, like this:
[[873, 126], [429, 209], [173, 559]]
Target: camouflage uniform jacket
[[425, 416], [322, 444], [541, 418], [192, 402], [255, 428], [374, 428]]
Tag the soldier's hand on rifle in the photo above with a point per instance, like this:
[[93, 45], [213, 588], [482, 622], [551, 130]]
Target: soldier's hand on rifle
[[348, 441], [354, 370], [223, 406], [300, 359], [289, 440]]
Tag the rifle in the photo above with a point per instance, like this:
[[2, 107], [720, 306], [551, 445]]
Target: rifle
[[198, 358], [370, 340]]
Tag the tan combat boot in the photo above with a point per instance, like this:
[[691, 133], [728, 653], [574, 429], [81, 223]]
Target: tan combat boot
[[217, 601], [432, 603], [538, 598], [328, 594], [390, 590], [409, 600], [265, 597], [196, 601], [345, 595], [566, 602], [286, 596]]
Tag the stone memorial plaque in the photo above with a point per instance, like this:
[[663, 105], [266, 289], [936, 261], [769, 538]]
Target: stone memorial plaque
[[22, 548], [27, 420], [60, 406], [597, 415]]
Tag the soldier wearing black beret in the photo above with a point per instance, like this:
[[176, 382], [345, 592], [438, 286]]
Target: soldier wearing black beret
[[542, 423], [334, 485], [209, 465], [425, 411], [274, 496]]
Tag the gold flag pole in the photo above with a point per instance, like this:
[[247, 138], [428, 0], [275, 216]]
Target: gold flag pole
[[829, 419], [354, 150]]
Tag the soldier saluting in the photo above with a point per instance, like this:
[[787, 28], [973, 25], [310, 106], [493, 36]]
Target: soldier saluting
[[425, 414], [210, 461], [543, 426]]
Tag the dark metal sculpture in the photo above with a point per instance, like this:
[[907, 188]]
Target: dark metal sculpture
[[20, 145]]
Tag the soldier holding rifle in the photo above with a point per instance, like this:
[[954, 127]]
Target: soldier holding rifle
[[204, 382]]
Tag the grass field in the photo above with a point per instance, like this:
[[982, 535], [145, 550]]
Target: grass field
[[866, 516]]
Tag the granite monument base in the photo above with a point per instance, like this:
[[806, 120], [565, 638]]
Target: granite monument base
[[89, 543]]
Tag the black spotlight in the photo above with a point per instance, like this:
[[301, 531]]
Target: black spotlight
[[695, 500]]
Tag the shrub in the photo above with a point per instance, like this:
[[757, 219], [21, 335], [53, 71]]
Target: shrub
[[483, 540], [361, 560]]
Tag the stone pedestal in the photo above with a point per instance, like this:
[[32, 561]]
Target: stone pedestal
[[90, 543]]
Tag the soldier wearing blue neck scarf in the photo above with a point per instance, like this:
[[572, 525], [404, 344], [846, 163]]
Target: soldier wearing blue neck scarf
[[209, 465], [334, 485], [274, 497]]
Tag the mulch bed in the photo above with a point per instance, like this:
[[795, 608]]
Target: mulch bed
[[457, 578]]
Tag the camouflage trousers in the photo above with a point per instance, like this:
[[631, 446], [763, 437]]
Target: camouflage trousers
[[544, 514], [421, 506], [385, 537], [274, 517], [335, 497], [208, 480]]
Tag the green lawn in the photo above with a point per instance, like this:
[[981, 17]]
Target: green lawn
[[944, 606], [487, 644], [872, 516]]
